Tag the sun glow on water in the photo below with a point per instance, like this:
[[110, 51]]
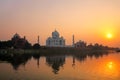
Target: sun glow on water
[[110, 65]]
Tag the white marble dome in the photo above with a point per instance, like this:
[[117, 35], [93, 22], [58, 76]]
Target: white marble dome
[[55, 34], [55, 40]]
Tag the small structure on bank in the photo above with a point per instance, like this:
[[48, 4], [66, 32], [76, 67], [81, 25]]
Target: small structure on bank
[[37, 45], [80, 44], [55, 40]]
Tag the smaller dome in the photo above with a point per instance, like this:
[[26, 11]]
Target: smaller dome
[[49, 38]]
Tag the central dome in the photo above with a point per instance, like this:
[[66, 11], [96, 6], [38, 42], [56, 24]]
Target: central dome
[[55, 34]]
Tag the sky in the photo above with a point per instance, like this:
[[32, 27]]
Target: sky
[[89, 20]]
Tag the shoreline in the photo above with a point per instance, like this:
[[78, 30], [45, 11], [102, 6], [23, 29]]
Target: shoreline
[[56, 51]]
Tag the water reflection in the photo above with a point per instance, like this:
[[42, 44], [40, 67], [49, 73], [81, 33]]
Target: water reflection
[[80, 57], [110, 65], [37, 57], [55, 62], [16, 60], [73, 64], [79, 65], [109, 69], [97, 54]]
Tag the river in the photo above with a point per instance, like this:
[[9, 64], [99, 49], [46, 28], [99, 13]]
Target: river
[[62, 67]]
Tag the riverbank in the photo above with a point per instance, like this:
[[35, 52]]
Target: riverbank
[[56, 51]]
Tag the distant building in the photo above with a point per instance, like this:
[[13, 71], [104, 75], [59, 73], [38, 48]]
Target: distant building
[[55, 40], [19, 42], [80, 44]]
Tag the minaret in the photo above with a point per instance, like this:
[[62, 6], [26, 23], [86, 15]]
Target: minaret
[[73, 41], [24, 37], [38, 40]]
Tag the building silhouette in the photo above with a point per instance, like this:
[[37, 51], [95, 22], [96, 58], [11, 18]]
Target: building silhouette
[[19, 42], [80, 44]]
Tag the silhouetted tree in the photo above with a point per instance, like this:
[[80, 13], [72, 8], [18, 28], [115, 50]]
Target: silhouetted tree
[[9, 44], [6, 44], [27, 45]]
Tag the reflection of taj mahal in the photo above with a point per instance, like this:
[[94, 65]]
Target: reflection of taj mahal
[[55, 40]]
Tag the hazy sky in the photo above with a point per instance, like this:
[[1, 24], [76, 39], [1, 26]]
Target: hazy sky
[[88, 20]]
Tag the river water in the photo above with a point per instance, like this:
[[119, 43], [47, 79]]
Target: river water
[[62, 67]]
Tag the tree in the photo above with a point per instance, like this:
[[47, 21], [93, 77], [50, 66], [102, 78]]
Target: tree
[[27, 45], [6, 44]]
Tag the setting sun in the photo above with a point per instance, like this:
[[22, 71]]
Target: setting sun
[[109, 35]]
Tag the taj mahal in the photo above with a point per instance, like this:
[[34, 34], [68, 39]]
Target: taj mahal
[[55, 40]]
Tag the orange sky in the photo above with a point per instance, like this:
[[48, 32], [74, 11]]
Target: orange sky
[[88, 20]]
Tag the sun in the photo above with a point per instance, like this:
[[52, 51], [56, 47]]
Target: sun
[[109, 35]]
